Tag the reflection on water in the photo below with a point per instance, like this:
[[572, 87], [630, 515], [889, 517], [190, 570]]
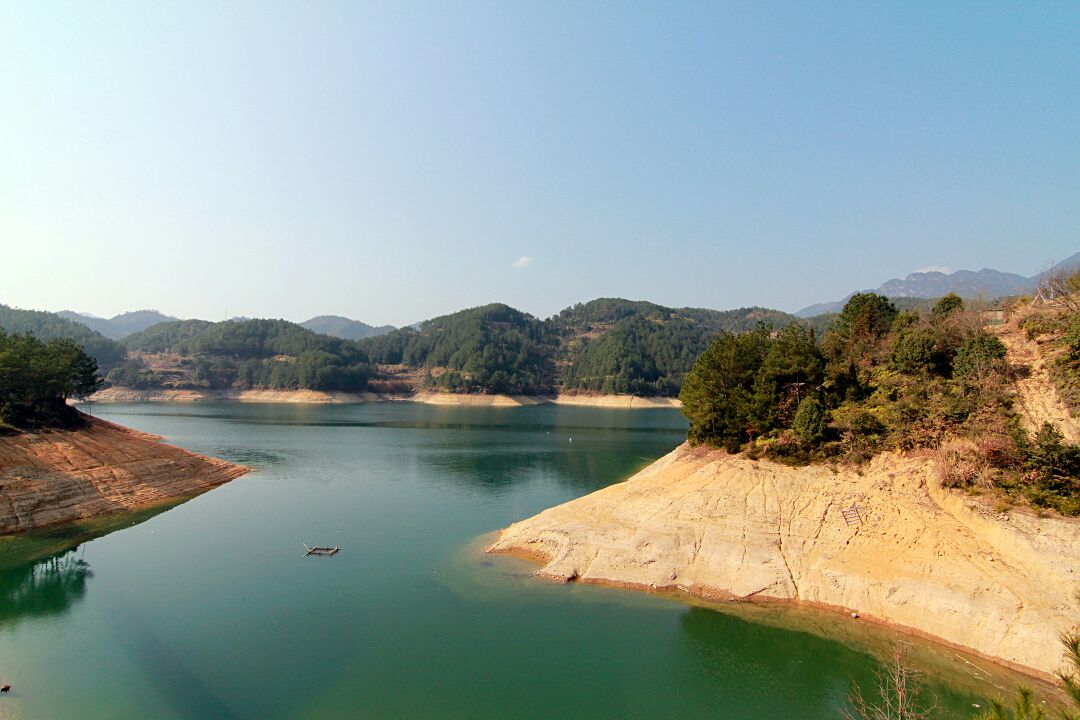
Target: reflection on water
[[43, 587]]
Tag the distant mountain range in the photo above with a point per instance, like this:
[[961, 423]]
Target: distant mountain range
[[985, 283], [345, 328], [118, 326]]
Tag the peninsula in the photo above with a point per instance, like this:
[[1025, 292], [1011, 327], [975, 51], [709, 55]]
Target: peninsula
[[942, 538]]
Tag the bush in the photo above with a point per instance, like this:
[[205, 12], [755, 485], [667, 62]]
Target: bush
[[810, 421], [979, 357]]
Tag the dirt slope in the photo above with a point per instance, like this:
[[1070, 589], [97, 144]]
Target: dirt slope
[[1039, 399]]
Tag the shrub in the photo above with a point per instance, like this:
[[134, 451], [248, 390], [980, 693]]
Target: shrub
[[979, 357], [810, 421]]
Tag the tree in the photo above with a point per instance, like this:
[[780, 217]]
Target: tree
[[810, 421], [866, 318], [947, 305], [792, 369], [979, 357], [717, 394], [899, 695]]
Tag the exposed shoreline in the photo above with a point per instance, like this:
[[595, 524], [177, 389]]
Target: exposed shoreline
[[52, 477], [925, 560], [132, 395]]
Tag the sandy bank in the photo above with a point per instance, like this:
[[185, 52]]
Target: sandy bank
[[441, 398], [922, 558], [132, 395], [52, 477], [628, 402]]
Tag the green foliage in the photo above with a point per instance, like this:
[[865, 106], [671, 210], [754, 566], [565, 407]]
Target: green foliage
[[979, 357], [811, 421], [1022, 707], [638, 355], [792, 369], [1053, 478], [718, 396], [866, 317], [166, 336], [36, 379], [134, 374], [49, 326], [246, 354], [489, 349], [948, 305], [913, 350]]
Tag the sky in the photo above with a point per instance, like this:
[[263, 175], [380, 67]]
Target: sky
[[395, 161]]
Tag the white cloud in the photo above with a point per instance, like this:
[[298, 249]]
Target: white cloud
[[936, 268], [522, 262]]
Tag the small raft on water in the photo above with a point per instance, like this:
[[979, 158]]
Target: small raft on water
[[320, 550]]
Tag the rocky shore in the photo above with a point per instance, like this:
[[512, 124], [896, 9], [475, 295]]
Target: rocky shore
[[57, 476], [913, 555]]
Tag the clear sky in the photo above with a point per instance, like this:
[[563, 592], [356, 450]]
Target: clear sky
[[393, 161]]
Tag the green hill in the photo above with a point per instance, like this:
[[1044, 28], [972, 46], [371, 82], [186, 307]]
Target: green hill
[[243, 354], [492, 349], [608, 345], [50, 326]]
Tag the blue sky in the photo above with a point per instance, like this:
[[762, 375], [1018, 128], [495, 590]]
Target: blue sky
[[394, 161]]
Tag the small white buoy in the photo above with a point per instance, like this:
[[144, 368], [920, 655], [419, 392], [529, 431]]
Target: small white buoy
[[854, 615]]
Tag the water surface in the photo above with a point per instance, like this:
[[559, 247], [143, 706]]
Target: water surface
[[210, 609]]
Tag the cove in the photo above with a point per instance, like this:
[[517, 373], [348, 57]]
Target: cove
[[211, 609]]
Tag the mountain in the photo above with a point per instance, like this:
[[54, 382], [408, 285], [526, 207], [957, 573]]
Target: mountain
[[345, 328], [608, 345], [986, 284], [118, 326], [47, 326]]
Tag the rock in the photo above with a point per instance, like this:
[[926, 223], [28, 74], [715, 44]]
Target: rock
[[55, 476], [727, 527]]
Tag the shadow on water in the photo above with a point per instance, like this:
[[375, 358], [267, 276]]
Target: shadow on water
[[43, 587], [42, 573], [499, 466]]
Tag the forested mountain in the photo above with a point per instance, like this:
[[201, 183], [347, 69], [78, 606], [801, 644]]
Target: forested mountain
[[50, 326], [607, 345], [345, 328], [493, 348], [118, 326], [243, 354]]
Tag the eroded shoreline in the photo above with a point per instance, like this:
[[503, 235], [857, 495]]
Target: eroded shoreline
[[923, 560], [52, 477], [628, 402]]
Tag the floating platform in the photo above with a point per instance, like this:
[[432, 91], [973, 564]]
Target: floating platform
[[321, 550]]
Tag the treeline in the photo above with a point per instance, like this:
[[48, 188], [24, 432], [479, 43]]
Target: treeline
[[879, 379], [37, 378]]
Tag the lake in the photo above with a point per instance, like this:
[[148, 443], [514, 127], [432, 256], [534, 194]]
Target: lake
[[211, 610]]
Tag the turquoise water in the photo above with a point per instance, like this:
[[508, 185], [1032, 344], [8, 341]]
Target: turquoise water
[[210, 609]]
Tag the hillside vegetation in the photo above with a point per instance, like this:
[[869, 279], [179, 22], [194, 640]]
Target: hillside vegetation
[[37, 378], [606, 346], [879, 380], [50, 326], [247, 354]]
